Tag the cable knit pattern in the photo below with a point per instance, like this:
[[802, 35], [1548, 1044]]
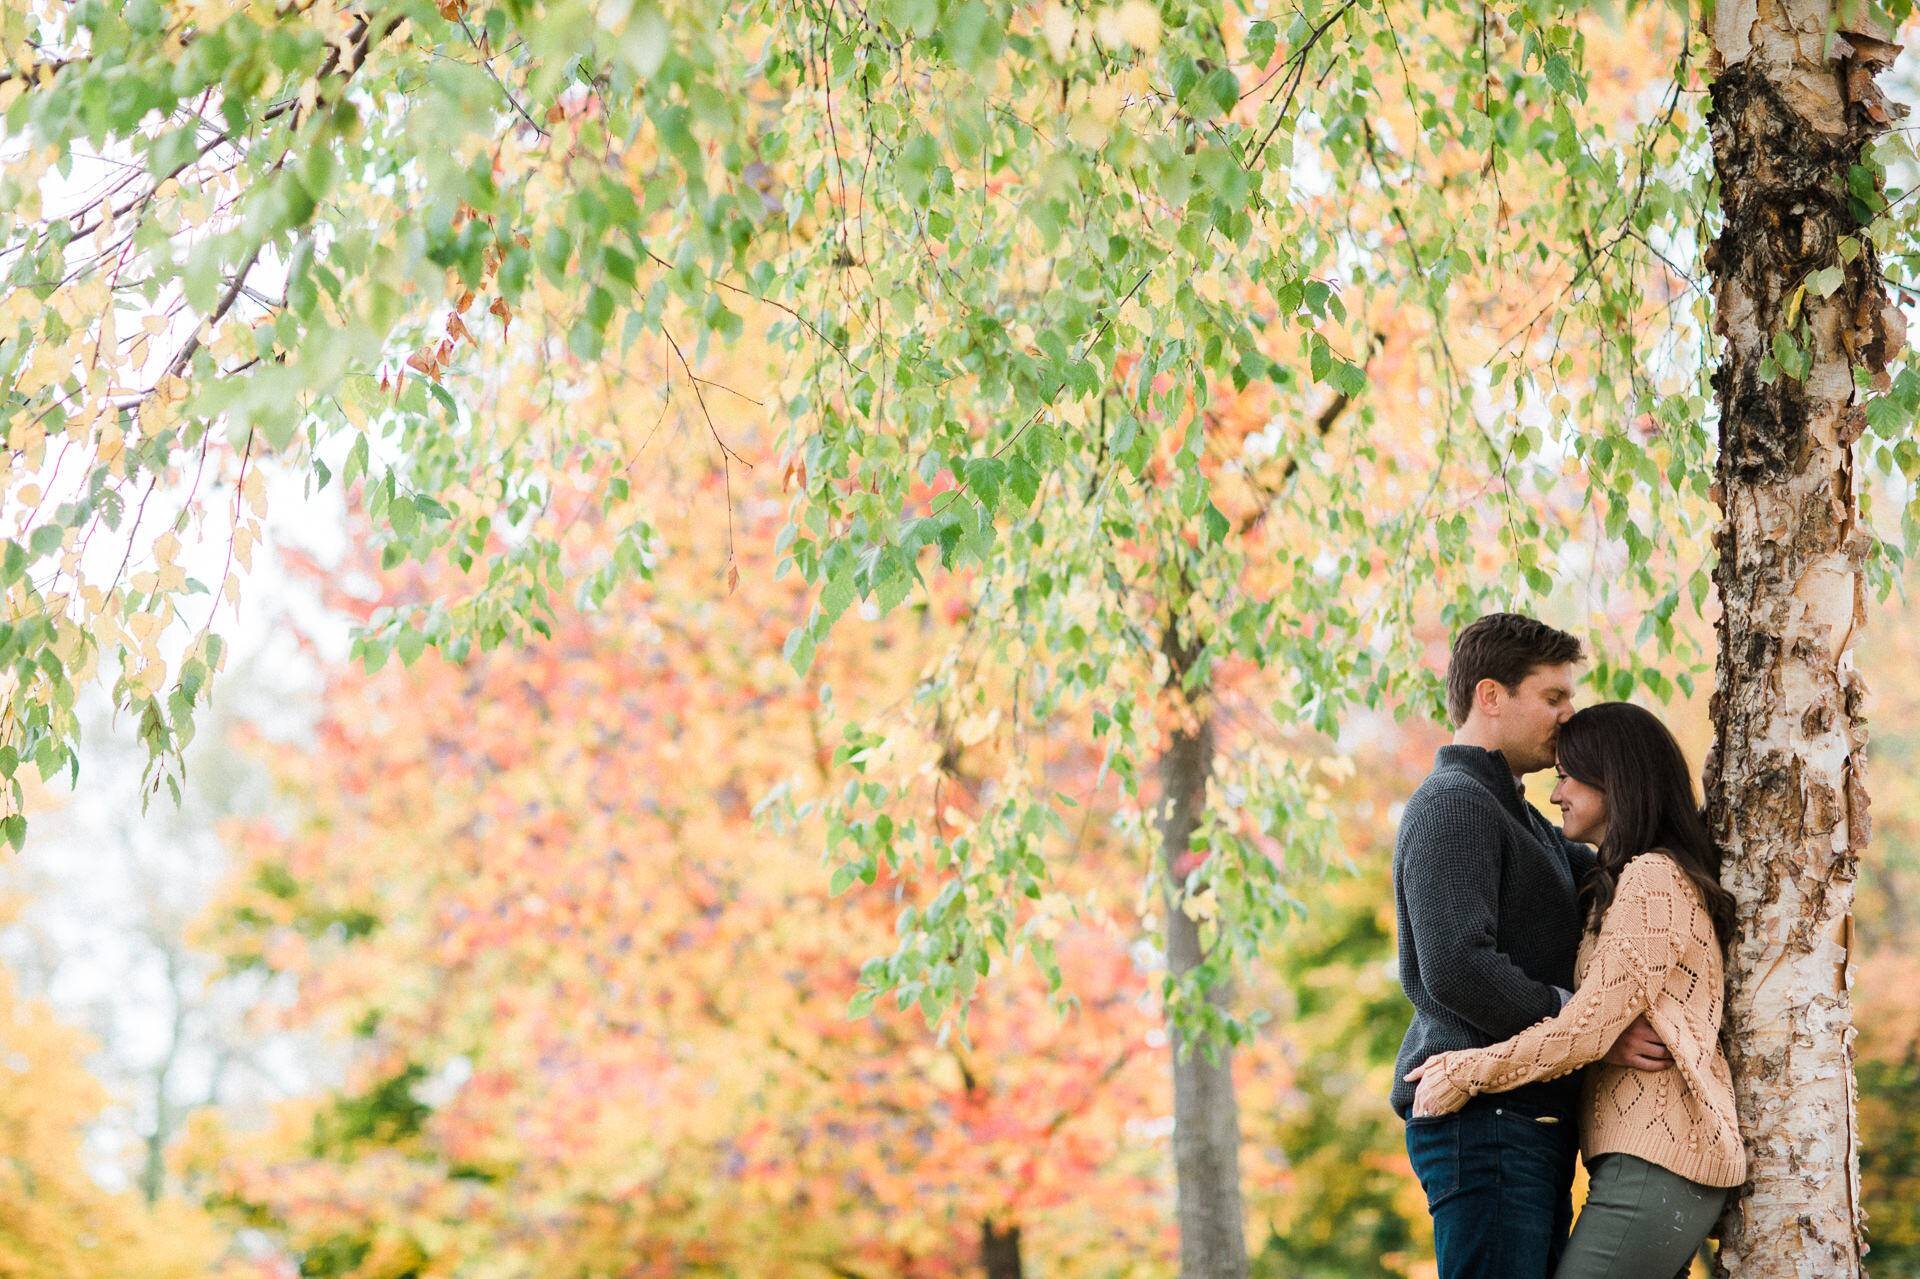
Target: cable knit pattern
[[1656, 953]]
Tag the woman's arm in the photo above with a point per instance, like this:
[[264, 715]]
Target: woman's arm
[[1641, 940]]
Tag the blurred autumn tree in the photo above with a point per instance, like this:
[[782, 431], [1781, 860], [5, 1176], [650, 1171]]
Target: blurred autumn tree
[[56, 1222], [1351, 1209], [600, 1013], [1886, 979]]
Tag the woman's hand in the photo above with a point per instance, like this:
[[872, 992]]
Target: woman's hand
[[1436, 1095]]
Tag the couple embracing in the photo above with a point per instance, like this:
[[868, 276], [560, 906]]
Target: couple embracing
[[1531, 951]]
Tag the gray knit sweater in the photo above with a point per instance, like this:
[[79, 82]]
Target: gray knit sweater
[[1484, 892]]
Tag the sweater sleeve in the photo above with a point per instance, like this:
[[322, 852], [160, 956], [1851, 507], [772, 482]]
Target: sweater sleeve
[[1450, 882], [1639, 944]]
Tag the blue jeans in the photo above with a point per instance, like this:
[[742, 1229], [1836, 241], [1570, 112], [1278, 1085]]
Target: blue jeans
[[1499, 1183]]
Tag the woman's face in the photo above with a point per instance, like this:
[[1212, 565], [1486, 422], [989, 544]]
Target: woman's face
[[1583, 808]]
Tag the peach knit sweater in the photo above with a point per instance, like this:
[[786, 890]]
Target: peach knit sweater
[[1656, 954]]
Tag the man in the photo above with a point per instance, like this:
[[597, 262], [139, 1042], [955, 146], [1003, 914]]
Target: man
[[1486, 898]]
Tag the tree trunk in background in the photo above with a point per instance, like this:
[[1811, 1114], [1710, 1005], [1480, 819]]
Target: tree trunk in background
[[1206, 1117], [1000, 1251], [1791, 113]]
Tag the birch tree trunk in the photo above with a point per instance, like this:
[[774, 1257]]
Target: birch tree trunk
[[1793, 105], [1206, 1115]]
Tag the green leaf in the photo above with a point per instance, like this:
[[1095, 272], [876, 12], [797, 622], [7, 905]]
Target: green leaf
[[799, 649], [1823, 282], [1261, 37], [1560, 73], [1221, 88], [410, 644], [403, 515], [1217, 525], [1348, 379]]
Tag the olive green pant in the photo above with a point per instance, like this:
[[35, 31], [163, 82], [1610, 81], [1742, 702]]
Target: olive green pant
[[1640, 1221]]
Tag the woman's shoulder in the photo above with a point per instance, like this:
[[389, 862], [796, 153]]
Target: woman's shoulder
[[1652, 871], [1657, 874]]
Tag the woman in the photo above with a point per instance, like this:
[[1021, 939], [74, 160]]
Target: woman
[[1662, 1148]]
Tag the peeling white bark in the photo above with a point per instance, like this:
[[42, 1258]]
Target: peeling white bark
[[1793, 107], [1731, 28]]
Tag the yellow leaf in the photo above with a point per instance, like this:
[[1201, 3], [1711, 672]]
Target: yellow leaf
[[1338, 767], [975, 728], [1056, 23], [1089, 130], [19, 304], [1139, 25], [254, 490], [49, 362]]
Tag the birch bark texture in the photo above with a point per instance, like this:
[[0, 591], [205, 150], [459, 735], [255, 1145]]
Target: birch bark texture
[[1794, 107], [1206, 1113]]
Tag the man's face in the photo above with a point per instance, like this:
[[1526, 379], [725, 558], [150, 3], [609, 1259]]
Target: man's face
[[1531, 714]]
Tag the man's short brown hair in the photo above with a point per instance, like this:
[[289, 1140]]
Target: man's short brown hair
[[1505, 647]]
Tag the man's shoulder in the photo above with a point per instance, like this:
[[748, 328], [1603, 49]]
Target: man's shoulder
[[1448, 791], [1450, 810]]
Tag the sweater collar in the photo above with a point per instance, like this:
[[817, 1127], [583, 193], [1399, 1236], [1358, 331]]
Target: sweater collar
[[1489, 768]]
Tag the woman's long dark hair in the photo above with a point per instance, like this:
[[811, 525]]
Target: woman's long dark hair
[[1628, 753]]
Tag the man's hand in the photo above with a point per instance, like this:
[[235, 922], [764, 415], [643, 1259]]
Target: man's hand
[[1639, 1048]]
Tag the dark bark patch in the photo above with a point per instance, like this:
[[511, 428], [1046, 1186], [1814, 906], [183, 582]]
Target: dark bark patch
[[1763, 427], [1000, 1251], [1784, 193], [1773, 799], [1760, 650]]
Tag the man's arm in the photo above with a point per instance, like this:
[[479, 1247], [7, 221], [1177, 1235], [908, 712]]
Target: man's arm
[[1451, 884]]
